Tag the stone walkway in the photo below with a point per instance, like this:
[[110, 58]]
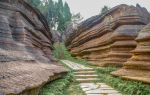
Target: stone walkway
[[89, 81]]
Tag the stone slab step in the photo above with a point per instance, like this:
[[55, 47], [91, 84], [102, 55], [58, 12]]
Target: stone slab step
[[87, 80], [96, 87], [89, 69], [98, 91], [84, 73], [86, 76], [74, 65], [105, 94], [90, 86], [93, 85]]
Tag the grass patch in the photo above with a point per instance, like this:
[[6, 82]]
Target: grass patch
[[57, 87], [67, 85], [61, 53], [74, 89], [124, 86]]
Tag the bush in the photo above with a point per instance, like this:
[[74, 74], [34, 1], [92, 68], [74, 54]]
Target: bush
[[60, 52]]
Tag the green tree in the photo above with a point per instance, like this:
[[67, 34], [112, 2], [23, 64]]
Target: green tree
[[60, 14], [64, 15], [34, 3], [104, 10], [50, 13], [60, 5], [67, 13]]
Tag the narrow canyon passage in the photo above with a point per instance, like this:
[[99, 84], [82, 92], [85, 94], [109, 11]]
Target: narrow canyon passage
[[45, 49]]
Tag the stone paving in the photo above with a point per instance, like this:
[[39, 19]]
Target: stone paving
[[88, 80]]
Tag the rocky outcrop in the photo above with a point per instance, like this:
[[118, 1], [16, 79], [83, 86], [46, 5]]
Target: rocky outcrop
[[25, 50], [108, 39], [138, 66]]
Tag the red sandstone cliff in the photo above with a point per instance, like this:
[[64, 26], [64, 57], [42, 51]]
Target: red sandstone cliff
[[107, 40], [26, 61]]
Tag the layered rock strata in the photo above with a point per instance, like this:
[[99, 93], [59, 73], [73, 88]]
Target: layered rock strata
[[123, 42], [26, 61], [138, 66], [108, 39]]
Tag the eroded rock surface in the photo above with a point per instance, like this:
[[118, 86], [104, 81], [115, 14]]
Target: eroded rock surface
[[138, 66], [108, 39], [25, 50]]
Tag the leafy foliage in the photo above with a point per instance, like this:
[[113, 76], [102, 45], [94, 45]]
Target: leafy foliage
[[61, 52], [64, 15], [124, 86]]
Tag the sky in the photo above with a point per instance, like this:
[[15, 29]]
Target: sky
[[89, 8]]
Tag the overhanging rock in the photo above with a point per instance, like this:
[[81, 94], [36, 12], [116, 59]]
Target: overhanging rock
[[26, 61]]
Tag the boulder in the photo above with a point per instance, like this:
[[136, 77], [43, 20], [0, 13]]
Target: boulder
[[138, 66], [26, 62], [107, 39]]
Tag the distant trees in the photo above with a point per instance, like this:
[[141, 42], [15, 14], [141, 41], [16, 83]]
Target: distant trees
[[73, 24], [58, 14], [64, 15], [49, 11], [76, 18], [104, 10]]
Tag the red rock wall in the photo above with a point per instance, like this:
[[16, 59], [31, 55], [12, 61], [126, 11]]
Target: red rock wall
[[107, 40], [26, 61]]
